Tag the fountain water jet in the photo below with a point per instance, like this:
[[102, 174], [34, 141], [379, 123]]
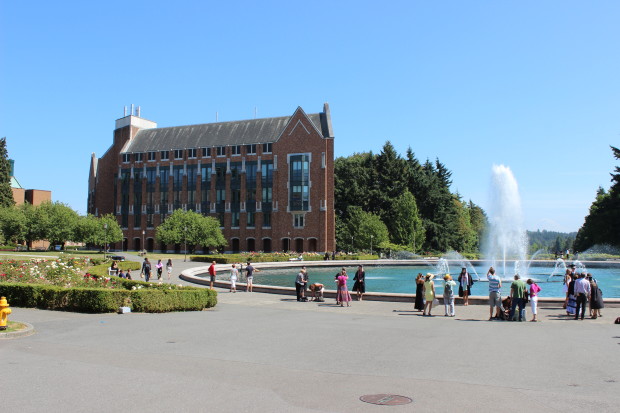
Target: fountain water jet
[[507, 239]]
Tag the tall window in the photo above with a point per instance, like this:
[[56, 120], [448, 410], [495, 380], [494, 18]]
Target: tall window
[[250, 188], [177, 185], [251, 219], [164, 175], [137, 198], [267, 184], [205, 188], [266, 219], [125, 174], [299, 183], [220, 187], [192, 176]]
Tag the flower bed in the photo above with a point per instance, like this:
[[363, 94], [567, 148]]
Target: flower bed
[[62, 285], [274, 257]]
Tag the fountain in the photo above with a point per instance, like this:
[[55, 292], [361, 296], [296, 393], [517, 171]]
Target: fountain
[[558, 270], [442, 267], [507, 239], [463, 263]]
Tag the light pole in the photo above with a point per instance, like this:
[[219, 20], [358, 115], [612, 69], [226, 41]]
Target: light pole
[[185, 241], [105, 240], [371, 237], [143, 249]]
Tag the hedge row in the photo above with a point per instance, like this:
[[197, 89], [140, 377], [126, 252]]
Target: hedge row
[[157, 299]]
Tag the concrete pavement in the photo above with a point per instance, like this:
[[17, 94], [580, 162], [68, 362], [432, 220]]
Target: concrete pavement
[[268, 353]]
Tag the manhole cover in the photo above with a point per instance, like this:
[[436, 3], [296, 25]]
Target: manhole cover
[[385, 399]]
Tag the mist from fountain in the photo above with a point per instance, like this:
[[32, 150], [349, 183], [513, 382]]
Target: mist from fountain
[[558, 270]]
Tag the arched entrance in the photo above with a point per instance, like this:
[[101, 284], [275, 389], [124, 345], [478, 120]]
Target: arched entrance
[[286, 244], [136, 244], [235, 245], [299, 244], [163, 248], [125, 244], [150, 242], [251, 244], [266, 244]]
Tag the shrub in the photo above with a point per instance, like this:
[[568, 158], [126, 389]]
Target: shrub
[[155, 299]]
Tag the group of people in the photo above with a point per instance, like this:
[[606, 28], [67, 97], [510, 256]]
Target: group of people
[[425, 295], [235, 275], [114, 270], [343, 296], [582, 289], [147, 270]]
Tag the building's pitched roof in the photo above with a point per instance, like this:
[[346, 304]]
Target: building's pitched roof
[[217, 134]]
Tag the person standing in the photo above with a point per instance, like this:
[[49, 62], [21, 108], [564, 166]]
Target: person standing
[[342, 295], [582, 294], [359, 286], [160, 269], [250, 270], [299, 284], [517, 295], [596, 299], [495, 294], [429, 294], [571, 304], [146, 269], [234, 276], [464, 285], [567, 280], [448, 295], [419, 292], [212, 274], [534, 290], [169, 268]]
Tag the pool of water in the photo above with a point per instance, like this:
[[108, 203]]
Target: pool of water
[[401, 279]]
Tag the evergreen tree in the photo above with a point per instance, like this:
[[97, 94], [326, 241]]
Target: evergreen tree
[[6, 194], [404, 222], [602, 225]]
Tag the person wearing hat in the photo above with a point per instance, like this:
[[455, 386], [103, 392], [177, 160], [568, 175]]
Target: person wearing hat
[[429, 293], [448, 294]]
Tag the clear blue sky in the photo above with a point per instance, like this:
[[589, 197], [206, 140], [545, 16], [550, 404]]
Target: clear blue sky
[[534, 85]]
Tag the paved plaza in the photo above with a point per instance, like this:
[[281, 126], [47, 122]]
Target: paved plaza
[[258, 352]]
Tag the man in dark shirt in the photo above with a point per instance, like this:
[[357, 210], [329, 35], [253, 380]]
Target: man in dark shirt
[[250, 270]]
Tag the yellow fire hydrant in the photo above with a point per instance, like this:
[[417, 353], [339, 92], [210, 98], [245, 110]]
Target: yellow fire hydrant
[[4, 313]]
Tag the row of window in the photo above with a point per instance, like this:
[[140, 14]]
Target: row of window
[[193, 153], [298, 220]]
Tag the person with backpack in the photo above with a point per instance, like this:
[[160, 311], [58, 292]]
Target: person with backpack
[[448, 294]]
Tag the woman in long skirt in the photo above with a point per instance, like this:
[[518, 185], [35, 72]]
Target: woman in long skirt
[[419, 292], [343, 295], [571, 304]]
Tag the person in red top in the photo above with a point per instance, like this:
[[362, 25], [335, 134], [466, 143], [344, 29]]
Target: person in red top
[[212, 274]]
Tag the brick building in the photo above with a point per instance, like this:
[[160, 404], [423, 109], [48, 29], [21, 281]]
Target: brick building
[[269, 181], [33, 197]]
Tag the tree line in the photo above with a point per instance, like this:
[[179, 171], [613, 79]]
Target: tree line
[[389, 201], [602, 224]]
